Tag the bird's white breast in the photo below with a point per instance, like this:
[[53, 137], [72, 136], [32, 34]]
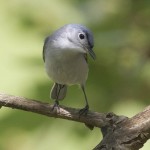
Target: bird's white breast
[[66, 66]]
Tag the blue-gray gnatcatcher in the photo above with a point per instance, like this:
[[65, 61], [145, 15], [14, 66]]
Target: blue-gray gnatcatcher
[[65, 56]]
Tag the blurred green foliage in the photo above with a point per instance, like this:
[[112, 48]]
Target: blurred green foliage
[[119, 80]]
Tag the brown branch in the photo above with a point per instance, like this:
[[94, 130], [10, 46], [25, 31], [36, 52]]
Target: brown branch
[[130, 134], [119, 132], [92, 118]]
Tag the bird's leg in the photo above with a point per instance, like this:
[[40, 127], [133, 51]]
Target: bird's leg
[[59, 87], [84, 110], [56, 103]]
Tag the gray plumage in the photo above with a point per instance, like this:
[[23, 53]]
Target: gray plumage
[[58, 91], [65, 56]]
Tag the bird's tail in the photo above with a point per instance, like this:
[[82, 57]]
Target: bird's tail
[[58, 91]]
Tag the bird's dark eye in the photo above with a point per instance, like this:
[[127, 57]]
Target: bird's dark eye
[[81, 36]]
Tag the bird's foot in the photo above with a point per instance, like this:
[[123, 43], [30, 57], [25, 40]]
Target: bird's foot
[[84, 110], [55, 106]]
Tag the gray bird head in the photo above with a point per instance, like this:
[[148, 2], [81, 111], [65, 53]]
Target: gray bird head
[[74, 36]]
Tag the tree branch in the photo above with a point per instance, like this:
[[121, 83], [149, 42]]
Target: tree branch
[[130, 134], [92, 118], [119, 132]]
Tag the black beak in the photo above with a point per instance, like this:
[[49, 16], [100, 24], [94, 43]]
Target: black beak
[[91, 52]]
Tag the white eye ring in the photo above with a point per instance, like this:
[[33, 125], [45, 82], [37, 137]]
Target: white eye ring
[[81, 36]]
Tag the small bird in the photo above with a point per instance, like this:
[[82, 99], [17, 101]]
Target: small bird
[[65, 56]]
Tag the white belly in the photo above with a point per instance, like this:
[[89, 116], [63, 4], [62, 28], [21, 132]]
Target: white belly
[[66, 67]]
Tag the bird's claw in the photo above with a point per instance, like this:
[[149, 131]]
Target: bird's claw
[[84, 111], [55, 106]]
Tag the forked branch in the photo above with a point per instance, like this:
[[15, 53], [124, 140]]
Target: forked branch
[[119, 132]]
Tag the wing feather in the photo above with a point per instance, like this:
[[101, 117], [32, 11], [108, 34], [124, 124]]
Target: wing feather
[[45, 46]]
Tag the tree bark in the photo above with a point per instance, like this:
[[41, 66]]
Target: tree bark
[[119, 132]]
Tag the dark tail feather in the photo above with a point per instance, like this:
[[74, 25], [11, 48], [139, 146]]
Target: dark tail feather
[[58, 91]]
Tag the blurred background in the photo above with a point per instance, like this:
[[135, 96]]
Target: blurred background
[[119, 79]]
